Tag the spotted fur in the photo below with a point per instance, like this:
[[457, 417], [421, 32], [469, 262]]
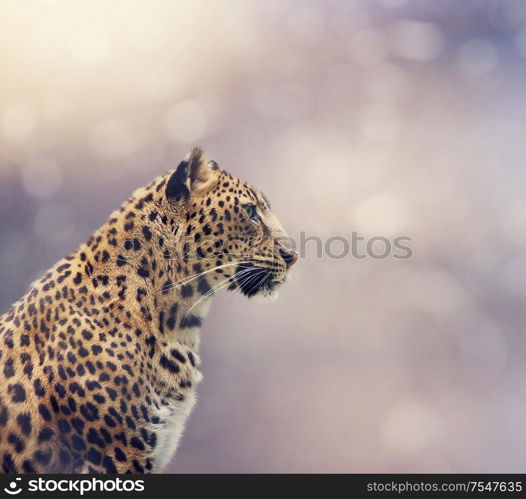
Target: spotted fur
[[99, 360]]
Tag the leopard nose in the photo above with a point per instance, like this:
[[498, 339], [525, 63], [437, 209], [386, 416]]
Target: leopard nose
[[290, 257]]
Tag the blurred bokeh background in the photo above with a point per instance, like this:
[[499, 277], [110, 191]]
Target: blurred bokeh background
[[386, 117]]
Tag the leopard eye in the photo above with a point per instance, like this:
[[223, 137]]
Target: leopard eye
[[251, 210]]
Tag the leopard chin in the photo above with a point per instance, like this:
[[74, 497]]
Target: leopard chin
[[266, 296], [255, 282]]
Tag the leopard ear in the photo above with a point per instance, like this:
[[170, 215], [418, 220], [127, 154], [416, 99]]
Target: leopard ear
[[192, 174]]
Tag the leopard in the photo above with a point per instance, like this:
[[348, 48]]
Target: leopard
[[99, 360]]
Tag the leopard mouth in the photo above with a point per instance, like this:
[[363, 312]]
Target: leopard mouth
[[252, 280]]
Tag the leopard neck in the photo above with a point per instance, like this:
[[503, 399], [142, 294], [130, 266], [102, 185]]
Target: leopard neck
[[137, 254]]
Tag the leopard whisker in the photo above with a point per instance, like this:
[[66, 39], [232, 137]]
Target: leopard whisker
[[215, 288], [260, 278], [187, 280]]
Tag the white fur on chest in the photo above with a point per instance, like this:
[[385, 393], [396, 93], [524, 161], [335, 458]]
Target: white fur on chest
[[169, 432], [175, 415]]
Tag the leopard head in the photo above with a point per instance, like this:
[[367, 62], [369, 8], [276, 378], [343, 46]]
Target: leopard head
[[226, 229]]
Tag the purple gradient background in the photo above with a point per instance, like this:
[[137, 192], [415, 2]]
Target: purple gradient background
[[388, 117]]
